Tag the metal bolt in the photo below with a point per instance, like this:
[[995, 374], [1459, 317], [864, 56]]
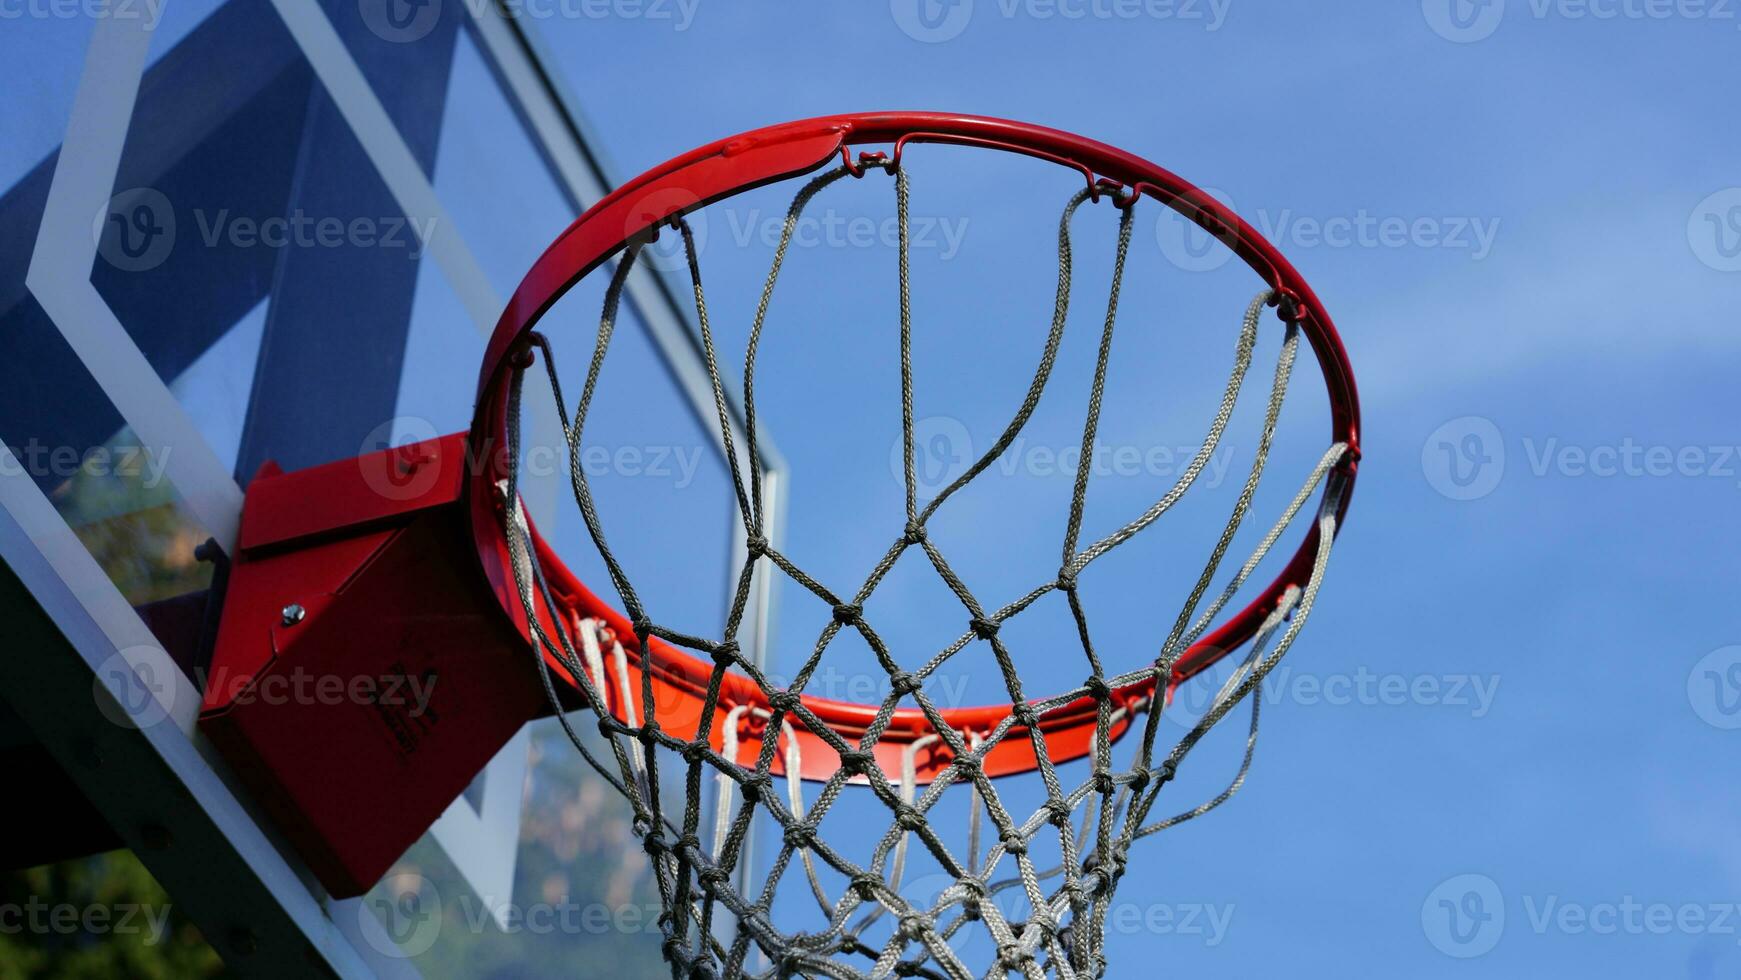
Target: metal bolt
[[294, 613]]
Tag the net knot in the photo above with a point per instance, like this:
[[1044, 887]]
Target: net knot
[[848, 614], [1139, 781], [672, 947], [914, 534], [909, 818], [712, 878], [968, 765], [755, 784], [1110, 868], [1104, 783], [1014, 843], [1012, 957], [783, 702], [915, 925], [642, 626], [725, 654], [1079, 897], [1058, 812], [866, 885], [983, 627], [757, 546], [1097, 688], [799, 836], [1025, 715], [608, 726], [1115, 867], [1166, 770], [859, 762], [904, 683], [649, 733], [791, 962], [1066, 579], [654, 844], [696, 751], [689, 846]]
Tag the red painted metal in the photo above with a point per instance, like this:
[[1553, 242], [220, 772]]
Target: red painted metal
[[740, 163], [399, 559], [357, 723]]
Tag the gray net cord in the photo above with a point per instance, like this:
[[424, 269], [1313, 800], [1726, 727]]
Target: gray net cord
[[1064, 936]]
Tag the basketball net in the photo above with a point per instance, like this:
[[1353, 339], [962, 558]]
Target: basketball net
[[711, 922]]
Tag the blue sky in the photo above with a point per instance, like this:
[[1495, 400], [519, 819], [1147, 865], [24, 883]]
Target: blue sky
[[1592, 607], [1540, 552]]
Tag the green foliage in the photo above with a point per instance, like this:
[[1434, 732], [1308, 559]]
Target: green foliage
[[96, 918], [133, 524]]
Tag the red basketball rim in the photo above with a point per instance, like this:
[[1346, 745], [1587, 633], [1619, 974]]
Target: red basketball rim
[[740, 163]]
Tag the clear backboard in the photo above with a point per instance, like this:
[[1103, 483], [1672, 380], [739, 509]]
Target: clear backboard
[[280, 230]]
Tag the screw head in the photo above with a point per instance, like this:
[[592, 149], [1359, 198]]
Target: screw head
[[294, 613]]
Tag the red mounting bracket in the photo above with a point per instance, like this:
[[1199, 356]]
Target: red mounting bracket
[[364, 673]]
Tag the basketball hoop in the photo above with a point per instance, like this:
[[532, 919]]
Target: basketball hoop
[[699, 704]]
